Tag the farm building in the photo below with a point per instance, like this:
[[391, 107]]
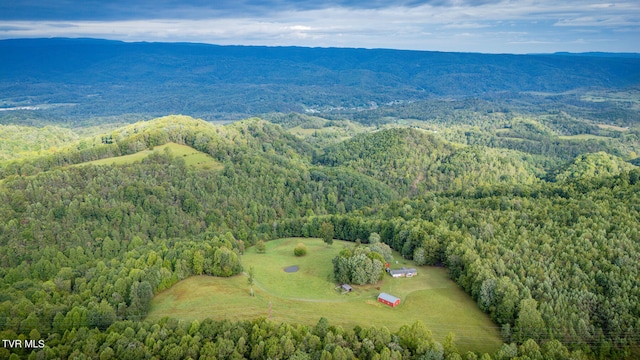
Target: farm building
[[346, 288], [404, 272], [388, 299]]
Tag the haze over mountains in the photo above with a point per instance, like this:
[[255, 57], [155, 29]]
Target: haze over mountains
[[76, 77]]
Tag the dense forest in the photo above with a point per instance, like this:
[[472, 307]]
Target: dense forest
[[80, 81], [548, 248], [516, 174]]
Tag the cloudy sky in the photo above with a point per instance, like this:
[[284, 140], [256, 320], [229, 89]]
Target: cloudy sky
[[490, 26]]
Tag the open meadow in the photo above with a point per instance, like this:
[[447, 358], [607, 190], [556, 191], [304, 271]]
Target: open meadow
[[191, 156], [308, 294]]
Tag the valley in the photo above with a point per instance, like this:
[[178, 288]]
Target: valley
[[128, 232]]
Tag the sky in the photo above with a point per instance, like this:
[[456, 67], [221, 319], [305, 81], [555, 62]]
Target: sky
[[487, 26]]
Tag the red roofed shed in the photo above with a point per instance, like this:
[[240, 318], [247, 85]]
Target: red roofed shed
[[388, 299]]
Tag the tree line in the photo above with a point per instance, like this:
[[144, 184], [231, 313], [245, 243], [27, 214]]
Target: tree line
[[84, 248], [552, 262]]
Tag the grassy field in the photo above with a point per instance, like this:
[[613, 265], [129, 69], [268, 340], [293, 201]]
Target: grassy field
[[628, 99], [583, 137], [331, 132], [191, 156], [612, 127], [632, 96], [306, 295]]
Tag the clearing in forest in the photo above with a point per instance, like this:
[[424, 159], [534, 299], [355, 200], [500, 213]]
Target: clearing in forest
[[584, 137], [306, 295], [191, 156]]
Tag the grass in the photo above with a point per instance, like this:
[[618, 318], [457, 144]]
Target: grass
[[583, 137], [333, 132], [612, 127], [629, 99], [306, 295], [325, 135], [615, 96], [191, 156]]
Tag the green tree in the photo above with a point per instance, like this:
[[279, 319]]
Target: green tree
[[198, 262], [300, 250], [529, 324], [107, 354], [327, 232], [419, 256], [382, 249], [530, 349], [101, 315], [261, 247], [450, 345], [251, 280], [225, 262], [321, 328]]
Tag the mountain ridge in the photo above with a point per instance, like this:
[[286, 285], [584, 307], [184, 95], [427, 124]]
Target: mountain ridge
[[78, 241], [106, 78]]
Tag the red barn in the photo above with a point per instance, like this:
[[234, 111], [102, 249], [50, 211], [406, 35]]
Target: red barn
[[388, 299]]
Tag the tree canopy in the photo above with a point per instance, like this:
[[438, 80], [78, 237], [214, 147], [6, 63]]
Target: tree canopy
[[546, 247]]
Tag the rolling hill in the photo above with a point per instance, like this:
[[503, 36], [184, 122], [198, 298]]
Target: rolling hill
[[84, 249], [414, 161], [80, 77], [510, 174]]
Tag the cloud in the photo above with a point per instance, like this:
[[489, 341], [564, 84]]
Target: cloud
[[448, 25], [96, 10], [530, 42], [465, 26], [9, 28], [600, 21]]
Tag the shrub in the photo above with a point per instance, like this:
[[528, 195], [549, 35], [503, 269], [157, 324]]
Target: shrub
[[261, 247], [300, 250]]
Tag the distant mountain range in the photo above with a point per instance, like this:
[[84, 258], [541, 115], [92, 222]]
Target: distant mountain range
[[91, 77], [600, 54]]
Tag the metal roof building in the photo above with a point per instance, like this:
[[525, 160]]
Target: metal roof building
[[388, 299], [404, 272]]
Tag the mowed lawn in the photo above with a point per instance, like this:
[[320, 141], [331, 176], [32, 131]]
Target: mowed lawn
[[191, 156], [308, 294]]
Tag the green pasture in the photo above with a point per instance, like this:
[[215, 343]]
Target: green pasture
[[584, 137], [308, 294], [303, 133], [191, 156], [631, 97], [612, 127], [337, 133]]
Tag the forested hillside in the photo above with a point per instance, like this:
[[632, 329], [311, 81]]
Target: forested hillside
[[562, 255], [547, 248], [23, 141], [515, 174], [80, 80], [413, 161]]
